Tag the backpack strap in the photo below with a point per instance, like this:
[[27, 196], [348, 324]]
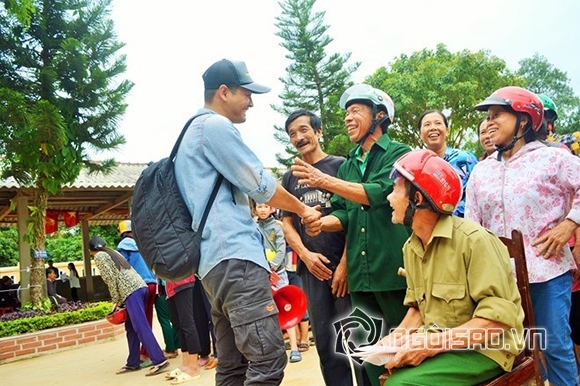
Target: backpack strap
[[216, 187], [178, 142], [217, 182]]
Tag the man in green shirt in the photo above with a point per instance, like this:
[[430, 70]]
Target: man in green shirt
[[360, 208], [465, 319]]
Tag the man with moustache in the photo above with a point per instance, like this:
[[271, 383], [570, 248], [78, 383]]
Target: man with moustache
[[322, 263]]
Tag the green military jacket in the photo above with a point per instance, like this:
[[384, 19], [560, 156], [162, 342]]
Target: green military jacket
[[374, 243], [464, 272]]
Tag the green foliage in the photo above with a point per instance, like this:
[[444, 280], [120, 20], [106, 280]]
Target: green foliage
[[439, 79], [67, 244], [92, 312], [8, 247], [543, 77], [21, 9], [62, 246], [314, 80], [61, 96]]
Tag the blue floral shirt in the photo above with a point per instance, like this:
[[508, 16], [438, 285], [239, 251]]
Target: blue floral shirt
[[463, 162]]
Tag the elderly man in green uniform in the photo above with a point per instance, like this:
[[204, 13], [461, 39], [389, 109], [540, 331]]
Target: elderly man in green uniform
[[465, 320], [360, 208]]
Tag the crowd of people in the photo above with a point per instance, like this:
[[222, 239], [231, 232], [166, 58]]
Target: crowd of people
[[353, 223], [382, 208]]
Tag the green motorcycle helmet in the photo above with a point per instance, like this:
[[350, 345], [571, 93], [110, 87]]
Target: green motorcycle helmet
[[549, 106]]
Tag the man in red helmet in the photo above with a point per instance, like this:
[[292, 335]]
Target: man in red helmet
[[461, 292]]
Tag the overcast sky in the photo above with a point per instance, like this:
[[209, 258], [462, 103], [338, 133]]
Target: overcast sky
[[169, 45]]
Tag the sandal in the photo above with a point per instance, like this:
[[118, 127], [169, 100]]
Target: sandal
[[127, 369], [303, 347], [184, 377], [156, 369], [295, 356], [212, 364], [173, 374], [145, 364]]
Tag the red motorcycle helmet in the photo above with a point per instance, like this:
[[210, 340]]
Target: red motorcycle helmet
[[434, 177], [117, 317], [519, 99]]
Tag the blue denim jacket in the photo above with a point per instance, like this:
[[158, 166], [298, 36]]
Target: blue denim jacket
[[213, 145]]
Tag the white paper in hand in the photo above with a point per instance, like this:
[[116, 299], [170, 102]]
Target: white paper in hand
[[376, 355]]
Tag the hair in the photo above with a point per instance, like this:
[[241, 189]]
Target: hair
[[50, 261], [479, 124], [255, 203], [118, 259], [550, 115], [315, 120], [97, 244], [72, 268], [420, 121], [208, 95], [412, 189]]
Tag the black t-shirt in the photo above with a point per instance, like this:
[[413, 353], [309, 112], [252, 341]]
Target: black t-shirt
[[330, 244]]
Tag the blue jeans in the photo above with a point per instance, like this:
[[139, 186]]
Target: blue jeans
[[324, 309], [551, 301]]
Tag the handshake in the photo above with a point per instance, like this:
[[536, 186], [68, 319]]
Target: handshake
[[311, 219]]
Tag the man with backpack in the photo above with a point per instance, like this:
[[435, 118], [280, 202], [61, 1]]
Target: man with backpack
[[233, 266]]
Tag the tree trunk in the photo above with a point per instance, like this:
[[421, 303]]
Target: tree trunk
[[38, 219]]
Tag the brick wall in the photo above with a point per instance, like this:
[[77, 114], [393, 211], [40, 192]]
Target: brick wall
[[62, 338]]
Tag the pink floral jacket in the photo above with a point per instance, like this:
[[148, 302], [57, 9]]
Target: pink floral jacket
[[531, 192]]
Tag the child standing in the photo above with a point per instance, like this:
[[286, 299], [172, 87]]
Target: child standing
[[274, 242], [275, 249]]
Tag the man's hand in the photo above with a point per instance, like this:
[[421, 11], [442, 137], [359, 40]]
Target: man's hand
[[311, 220], [315, 262], [555, 239], [413, 352], [339, 285], [308, 174]]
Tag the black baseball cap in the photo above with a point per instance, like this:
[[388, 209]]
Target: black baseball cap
[[231, 73]]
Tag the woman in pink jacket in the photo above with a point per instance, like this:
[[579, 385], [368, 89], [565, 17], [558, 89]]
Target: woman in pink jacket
[[527, 185]]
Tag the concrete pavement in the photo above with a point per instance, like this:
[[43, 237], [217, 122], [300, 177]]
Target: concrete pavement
[[96, 365]]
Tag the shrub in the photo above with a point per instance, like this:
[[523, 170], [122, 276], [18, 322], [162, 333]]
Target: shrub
[[21, 322]]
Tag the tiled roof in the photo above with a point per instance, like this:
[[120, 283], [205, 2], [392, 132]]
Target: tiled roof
[[123, 176], [99, 198]]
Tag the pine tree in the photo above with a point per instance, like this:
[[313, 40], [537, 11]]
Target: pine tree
[[314, 80], [59, 97]]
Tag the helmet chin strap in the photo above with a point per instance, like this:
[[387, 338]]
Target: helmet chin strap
[[410, 212], [374, 125], [501, 149]]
